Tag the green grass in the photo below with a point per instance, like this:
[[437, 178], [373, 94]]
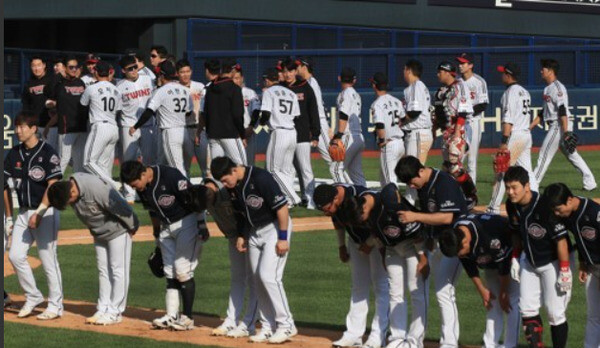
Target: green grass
[[317, 284], [22, 335]]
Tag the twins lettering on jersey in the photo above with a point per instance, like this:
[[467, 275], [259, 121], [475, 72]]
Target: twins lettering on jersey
[[127, 96]]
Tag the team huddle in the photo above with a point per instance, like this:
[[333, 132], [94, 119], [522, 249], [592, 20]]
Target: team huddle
[[157, 120]]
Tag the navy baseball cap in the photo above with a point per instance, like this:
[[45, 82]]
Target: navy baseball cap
[[271, 74], [510, 69], [465, 58], [348, 73], [103, 68], [379, 79], [306, 61], [447, 66], [167, 69], [323, 195], [389, 198]]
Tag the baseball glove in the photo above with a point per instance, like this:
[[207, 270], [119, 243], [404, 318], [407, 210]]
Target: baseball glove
[[569, 142], [155, 262], [337, 151], [501, 161]]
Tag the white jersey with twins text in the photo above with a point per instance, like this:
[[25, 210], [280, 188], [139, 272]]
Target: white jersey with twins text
[[198, 90], [349, 102], [555, 95], [418, 98], [283, 105], [389, 110], [134, 98], [516, 103], [171, 103], [478, 92], [104, 101], [319, 96], [251, 103]]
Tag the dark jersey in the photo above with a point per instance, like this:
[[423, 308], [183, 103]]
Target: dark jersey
[[72, 116], [584, 223], [359, 234], [491, 245], [257, 198], [164, 197], [224, 110], [34, 99], [308, 126], [442, 194], [388, 228], [538, 228], [30, 170]]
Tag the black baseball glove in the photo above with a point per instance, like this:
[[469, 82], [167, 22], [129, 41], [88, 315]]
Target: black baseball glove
[[569, 142], [155, 262]]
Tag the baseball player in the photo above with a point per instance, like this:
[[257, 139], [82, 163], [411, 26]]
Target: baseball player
[[8, 226], [279, 108], [262, 210], [143, 70], [307, 128], [171, 102], [442, 202], [33, 166], [158, 54], [418, 136], [478, 94], [340, 202], [515, 146], [559, 120], [349, 128], [71, 117], [388, 115], [90, 64], [224, 113], [453, 109], [111, 222], [306, 71], [582, 217], [544, 272], [251, 105], [104, 102], [483, 241], [180, 233]]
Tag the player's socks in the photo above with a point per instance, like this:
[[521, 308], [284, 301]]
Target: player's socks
[[188, 291], [559, 335]]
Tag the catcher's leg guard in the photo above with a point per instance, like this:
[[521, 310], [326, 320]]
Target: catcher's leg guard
[[533, 331]]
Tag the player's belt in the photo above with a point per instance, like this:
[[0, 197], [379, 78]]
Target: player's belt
[[284, 128], [192, 126]]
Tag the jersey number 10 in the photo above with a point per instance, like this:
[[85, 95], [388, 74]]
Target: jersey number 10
[[109, 104]]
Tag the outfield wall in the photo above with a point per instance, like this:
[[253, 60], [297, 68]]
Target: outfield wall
[[584, 107]]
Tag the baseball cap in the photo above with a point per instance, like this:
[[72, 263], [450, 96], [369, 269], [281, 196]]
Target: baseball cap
[[306, 61], [510, 69], [91, 58], [465, 58], [167, 69], [271, 74], [379, 79], [347, 74], [103, 68], [323, 195], [447, 66]]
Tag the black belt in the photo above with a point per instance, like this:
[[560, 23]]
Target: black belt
[[191, 126]]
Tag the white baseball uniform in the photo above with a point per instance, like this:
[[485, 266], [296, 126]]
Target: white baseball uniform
[[172, 102], [192, 121], [515, 104], [88, 80], [388, 112], [349, 102], [555, 96], [251, 103], [283, 105], [104, 100], [478, 93]]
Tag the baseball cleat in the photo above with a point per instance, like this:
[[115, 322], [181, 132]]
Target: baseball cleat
[[221, 330], [347, 342], [238, 332], [163, 322], [590, 188], [93, 318], [48, 315], [183, 323], [283, 335], [109, 319], [261, 337], [27, 309]]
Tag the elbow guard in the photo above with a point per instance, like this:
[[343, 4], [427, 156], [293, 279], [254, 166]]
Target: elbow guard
[[413, 114], [343, 116]]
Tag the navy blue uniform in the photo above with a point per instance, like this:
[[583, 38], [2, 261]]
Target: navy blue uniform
[[491, 246], [164, 197], [442, 194], [30, 170], [538, 228], [359, 234], [584, 223]]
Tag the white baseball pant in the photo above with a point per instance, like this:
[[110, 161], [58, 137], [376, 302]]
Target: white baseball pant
[[446, 272], [494, 325], [355, 145], [548, 150], [389, 157], [71, 149], [52, 138], [267, 273], [202, 152], [251, 149], [241, 279], [337, 172], [541, 282], [180, 245], [401, 263], [519, 145], [417, 143], [592, 328], [232, 148], [279, 161], [140, 144], [304, 169], [178, 148], [114, 260], [99, 155], [367, 272], [473, 137], [45, 237]]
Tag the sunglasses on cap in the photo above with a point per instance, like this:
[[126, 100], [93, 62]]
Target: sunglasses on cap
[[130, 68]]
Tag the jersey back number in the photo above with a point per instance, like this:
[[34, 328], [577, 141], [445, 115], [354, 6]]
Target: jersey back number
[[285, 106], [109, 104], [180, 104]]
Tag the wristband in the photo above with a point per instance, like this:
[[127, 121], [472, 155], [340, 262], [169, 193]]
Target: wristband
[[504, 139], [282, 235], [564, 265], [41, 210]]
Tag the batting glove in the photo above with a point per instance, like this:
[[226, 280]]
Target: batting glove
[[565, 278], [8, 226], [515, 269]]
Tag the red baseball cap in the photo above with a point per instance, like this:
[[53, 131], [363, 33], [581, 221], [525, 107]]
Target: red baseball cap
[[465, 58]]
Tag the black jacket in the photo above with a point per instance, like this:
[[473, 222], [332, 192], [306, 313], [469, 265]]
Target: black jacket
[[224, 110], [308, 126], [72, 116], [34, 99]]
